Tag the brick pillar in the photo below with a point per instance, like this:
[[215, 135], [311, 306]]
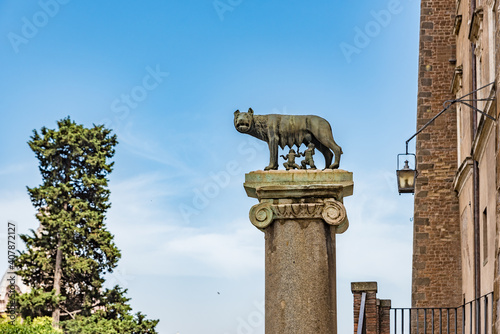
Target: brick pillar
[[356, 307], [437, 276], [384, 312], [357, 291], [377, 312]]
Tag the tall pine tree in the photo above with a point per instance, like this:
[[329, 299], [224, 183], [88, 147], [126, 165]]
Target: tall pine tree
[[66, 259]]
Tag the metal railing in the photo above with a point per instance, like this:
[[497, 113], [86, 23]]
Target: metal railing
[[474, 317]]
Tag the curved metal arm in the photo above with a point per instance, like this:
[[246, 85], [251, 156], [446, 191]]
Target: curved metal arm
[[452, 102]]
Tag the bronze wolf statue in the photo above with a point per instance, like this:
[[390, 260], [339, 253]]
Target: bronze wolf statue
[[289, 130]]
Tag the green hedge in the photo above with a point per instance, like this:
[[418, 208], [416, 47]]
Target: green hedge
[[81, 325], [41, 325]]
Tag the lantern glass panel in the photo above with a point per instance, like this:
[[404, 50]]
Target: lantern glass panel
[[406, 180]]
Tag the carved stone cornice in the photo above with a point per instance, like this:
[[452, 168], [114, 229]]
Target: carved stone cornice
[[458, 24], [456, 82], [475, 25], [463, 173], [302, 196], [485, 126], [331, 211], [334, 183]]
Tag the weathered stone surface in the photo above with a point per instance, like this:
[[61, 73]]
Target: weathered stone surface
[[299, 195], [309, 179], [364, 286], [300, 213], [300, 277], [329, 210]]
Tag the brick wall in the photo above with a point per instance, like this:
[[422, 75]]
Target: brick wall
[[437, 273], [376, 311]]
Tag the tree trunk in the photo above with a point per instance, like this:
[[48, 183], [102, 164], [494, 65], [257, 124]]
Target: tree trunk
[[56, 314], [57, 283]]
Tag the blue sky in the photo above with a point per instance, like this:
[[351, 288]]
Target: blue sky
[[167, 76]]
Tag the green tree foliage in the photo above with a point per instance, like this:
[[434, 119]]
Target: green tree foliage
[[114, 318], [67, 258], [35, 302], [42, 325], [73, 249], [96, 325]]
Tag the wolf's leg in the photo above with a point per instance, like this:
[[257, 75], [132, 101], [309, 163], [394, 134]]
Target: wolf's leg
[[326, 153], [337, 150], [273, 157], [324, 135]]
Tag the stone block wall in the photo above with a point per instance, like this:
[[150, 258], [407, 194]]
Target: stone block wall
[[437, 272]]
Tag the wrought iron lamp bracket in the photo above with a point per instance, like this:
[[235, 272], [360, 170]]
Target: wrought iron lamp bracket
[[447, 104]]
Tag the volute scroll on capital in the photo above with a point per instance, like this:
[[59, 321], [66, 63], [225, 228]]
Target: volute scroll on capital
[[331, 211]]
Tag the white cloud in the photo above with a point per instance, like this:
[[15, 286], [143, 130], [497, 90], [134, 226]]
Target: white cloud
[[148, 149], [236, 253], [154, 241], [169, 250]]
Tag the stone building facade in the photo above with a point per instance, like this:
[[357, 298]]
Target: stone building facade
[[456, 232], [436, 250], [457, 197]]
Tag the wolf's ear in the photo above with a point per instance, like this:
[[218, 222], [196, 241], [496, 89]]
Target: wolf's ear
[[236, 112], [250, 111]]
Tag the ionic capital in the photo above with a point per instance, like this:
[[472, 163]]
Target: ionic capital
[[329, 210]]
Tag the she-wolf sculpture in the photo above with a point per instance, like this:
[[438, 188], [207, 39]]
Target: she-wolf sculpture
[[289, 130]]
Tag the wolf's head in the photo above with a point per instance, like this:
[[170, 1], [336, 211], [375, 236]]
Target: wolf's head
[[243, 121]]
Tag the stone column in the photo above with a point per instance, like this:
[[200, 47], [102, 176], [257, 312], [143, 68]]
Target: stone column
[[300, 213]]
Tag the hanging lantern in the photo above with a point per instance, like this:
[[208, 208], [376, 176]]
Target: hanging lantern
[[406, 178]]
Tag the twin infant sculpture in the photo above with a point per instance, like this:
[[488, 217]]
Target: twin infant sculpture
[[290, 130]]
